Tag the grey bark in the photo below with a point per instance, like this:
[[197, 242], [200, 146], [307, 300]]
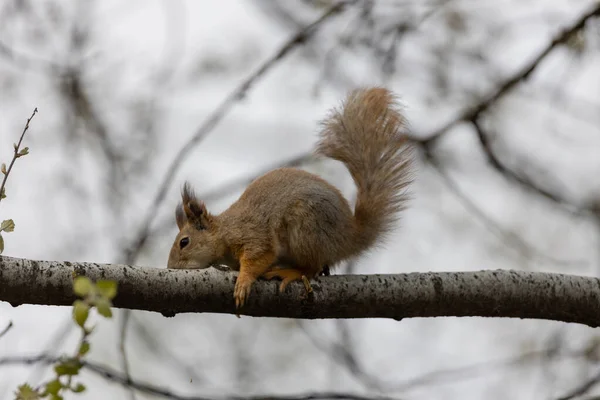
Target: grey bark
[[499, 293]]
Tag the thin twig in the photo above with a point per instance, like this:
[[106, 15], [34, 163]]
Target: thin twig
[[511, 239], [436, 377], [508, 173], [342, 357], [125, 315], [16, 152], [215, 118], [25, 62], [147, 337], [482, 106], [5, 330], [583, 388]]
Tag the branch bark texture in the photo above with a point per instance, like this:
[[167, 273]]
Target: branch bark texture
[[498, 293]]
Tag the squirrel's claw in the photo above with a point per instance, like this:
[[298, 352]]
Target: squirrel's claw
[[241, 292], [307, 284]]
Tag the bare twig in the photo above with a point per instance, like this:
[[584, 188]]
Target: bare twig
[[5, 330], [216, 116], [125, 316], [490, 99], [511, 239], [16, 153], [582, 389], [343, 357], [112, 375], [511, 175], [341, 349], [23, 61], [153, 345], [437, 377]]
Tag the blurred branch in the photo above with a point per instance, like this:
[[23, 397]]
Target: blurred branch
[[342, 349], [5, 330], [511, 175], [582, 389], [343, 356], [441, 376], [511, 239], [147, 337], [111, 375], [125, 315], [499, 293], [215, 118], [81, 105], [475, 111], [26, 62]]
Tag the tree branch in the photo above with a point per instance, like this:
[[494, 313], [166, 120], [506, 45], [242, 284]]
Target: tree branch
[[523, 181], [583, 388], [500, 293], [505, 87], [510, 239]]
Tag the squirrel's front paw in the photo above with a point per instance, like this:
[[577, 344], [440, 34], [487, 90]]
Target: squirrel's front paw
[[241, 291]]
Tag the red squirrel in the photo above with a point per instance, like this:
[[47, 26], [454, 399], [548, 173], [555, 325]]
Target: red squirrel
[[291, 224]]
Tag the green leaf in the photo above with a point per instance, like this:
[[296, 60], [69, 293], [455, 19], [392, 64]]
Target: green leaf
[[3, 193], [1, 244], [78, 388], [56, 397], [82, 286], [23, 152], [107, 289], [68, 367], [25, 392], [103, 307], [8, 225], [84, 348], [81, 310], [53, 387]]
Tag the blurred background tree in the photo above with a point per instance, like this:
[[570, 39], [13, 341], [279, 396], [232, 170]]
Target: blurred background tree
[[135, 97]]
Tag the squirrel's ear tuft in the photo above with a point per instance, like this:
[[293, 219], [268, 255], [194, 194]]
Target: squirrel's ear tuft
[[180, 216], [187, 193], [194, 209]]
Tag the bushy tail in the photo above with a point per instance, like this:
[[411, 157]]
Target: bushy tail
[[368, 135]]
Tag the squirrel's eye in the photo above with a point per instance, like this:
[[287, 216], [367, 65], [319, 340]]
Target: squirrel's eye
[[184, 242]]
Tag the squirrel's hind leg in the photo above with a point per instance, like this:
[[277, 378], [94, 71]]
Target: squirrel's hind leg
[[289, 275]]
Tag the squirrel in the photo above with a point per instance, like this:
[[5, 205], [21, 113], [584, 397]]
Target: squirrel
[[293, 225]]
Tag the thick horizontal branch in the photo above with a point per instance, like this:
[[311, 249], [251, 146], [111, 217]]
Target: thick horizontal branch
[[499, 293]]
